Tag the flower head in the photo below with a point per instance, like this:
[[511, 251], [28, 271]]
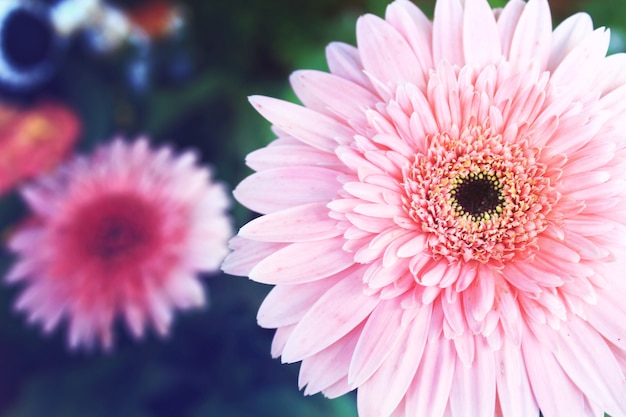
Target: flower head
[[444, 216], [34, 141], [123, 232]]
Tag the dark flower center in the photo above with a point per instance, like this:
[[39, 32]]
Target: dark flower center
[[27, 39], [118, 234], [477, 195], [117, 229]]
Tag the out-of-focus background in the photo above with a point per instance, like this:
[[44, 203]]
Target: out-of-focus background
[[185, 83]]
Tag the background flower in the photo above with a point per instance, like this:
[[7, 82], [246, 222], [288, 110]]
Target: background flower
[[449, 201], [123, 232]]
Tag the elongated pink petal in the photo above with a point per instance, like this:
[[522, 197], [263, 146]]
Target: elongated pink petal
[[384, 391], [481, 42], [291, 155], [514, 394], [568, 34], [382, 331], [507, 23], [333, 95], [281, 188], [415, 27], [474, 390], [246, 254], [532, 39], [578, 69], [329, 325], [311, 127], [448, 32], [425, 398], [291, 264], [295, 301], [303, 223], [599, 376], [553, 400], [386, 55], [321, 371], [344, 61]]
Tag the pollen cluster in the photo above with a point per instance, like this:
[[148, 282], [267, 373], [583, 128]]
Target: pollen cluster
[[477, 197]]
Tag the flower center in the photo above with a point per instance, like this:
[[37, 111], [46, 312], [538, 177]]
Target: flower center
[[116, 228], [477, 197], [117, 234]]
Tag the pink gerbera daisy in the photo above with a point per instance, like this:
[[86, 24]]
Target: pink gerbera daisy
[[122, 232], [444, 215]]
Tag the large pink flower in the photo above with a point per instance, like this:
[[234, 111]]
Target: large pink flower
[[444, 215], [123, 232]]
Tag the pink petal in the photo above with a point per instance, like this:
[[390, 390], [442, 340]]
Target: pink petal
[[413, 247], [386, 55], [554, 400], [282, 188], [587, 248], [338, 389], [378, 244], [279, 341], [303, 223], [532, 39], [473, 392], [365, 191], [345, 62], [567, 35], [453, 313], [514, 394], [559, 249], [591, 157], [332, 95], [579, 69], [329, 366], [447, 32], [381, 333], [303, 262], [247, 254], [608, 317], [479, 296], [291, 155], [416, 28], [612, 73], [313, 128], [430, 390], [481, 41], [465, 346], [384, 391], [334, 315], [370, 224], [507, 22], [587, 360], [287, 304]]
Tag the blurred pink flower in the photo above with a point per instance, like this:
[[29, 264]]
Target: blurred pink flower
[[123, 232], [34, 141], [444, 215]]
